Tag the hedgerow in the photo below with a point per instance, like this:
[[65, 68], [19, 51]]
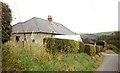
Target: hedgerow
[[82, 47], [98, 49], [90, 49], [61, 45]]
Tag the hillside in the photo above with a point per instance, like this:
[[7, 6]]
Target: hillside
[[95, 35]]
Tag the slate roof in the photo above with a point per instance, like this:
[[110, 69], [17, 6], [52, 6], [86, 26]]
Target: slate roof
[[40, 25], [87, 41]]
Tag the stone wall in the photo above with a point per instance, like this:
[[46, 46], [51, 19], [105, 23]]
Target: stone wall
[[38, 38]]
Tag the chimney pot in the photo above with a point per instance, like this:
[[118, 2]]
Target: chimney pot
[[49, 17]]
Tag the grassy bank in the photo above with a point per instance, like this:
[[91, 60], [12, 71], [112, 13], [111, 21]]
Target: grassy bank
[[110, 52], [35, 58]]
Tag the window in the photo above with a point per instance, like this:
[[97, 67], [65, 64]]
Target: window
[[17, 38], [33, 40]]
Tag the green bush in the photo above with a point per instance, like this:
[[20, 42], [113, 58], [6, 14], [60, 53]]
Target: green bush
[[93, 50], [61, 45], [82, 47], [101, 48], [87, 49], [98, 49], [90, 49], [112, 47]]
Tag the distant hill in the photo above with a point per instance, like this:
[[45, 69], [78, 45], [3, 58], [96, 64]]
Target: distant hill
[[95, 35]]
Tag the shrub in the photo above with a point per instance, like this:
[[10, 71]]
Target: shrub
[[112, 47], [87, 49], [101, 48], [93, 50], [81, 47], [98, 49], [61, 45], [90, 49]]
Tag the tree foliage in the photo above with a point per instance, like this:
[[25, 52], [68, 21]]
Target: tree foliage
[[6, 19], [111, 39]]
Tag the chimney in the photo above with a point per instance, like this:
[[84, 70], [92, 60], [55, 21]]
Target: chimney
[[50, 18]]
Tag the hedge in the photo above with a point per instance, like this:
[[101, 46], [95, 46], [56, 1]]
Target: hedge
[[82, 47], [98, 49], [61, 45], [90, 49], [56, 44], [101, 48]]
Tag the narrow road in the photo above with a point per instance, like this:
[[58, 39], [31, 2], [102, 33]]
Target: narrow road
[[110, 63]]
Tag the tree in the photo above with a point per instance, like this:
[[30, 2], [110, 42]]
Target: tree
[[116, 38], [111, 39], [6, 19]]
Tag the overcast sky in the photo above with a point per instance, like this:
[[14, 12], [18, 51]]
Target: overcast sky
[[86, 16]]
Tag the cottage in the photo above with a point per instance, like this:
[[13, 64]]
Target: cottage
[[36, 29]]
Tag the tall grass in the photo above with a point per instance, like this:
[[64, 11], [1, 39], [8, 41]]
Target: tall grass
[[10, 58], [33, 57]]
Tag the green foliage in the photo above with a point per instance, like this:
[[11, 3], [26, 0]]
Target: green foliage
[[82, 47], [93, 50], [101, 48], [90, 49], [61, 45], [112, 47], [109, 51], [6, 20], [35, 58], [111, 39], [98, 49], [10, 58], [87, 49]]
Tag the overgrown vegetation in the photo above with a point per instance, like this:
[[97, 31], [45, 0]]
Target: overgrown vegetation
[[10, 57], [35, 58], [111, 39], [113, 48], [109, 51]]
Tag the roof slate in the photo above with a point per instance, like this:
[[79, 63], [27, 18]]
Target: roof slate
[[40, 25], [87, 40]]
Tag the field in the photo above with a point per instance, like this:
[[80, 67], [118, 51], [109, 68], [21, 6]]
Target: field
[[35, 58]]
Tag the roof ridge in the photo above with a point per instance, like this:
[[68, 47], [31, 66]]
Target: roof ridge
[[18, 23], [36, 20]]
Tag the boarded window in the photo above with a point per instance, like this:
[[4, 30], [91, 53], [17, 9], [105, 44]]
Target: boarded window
[[33, 40], [17, 38]]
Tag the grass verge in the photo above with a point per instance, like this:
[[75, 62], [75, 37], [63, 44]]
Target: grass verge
[[35, 58]]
